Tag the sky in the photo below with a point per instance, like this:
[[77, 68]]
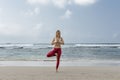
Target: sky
[[80, 21]]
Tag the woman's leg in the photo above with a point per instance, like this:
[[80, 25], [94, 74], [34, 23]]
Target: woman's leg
[[51, 53], [58, 55]]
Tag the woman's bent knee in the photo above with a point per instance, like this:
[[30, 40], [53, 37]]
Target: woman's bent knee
[[47, 55]]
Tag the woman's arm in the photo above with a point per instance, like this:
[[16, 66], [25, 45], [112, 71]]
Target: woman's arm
[[53, 41], [62, 41]]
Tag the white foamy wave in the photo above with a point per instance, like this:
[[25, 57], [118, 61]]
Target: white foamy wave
[[24, 45], [38, 45], [15, 45], [98, 45]]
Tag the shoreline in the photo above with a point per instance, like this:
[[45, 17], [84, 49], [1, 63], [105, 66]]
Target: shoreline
[[62, 63], [65, 73]]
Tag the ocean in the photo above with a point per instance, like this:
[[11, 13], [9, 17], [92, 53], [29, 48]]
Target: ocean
[[81, 54]]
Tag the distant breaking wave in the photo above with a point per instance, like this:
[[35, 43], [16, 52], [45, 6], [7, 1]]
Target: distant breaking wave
[[40, 45], [98, 45], [22, 46]]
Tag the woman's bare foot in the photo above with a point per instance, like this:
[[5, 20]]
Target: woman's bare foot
[[56, 70]]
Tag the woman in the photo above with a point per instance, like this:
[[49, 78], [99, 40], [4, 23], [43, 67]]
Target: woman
[[56, 51]]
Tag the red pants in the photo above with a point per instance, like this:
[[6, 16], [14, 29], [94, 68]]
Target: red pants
[[53, 52]]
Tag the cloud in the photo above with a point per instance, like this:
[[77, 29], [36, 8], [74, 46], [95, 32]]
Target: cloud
[[35, 11], [58, 3], [67, 14], [84, 2], [44, 2], [69, 2], [21, 33], [20, 30], [9, 29], [62, 3]]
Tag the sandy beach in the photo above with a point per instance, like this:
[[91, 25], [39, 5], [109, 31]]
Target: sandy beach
[[65, 73]]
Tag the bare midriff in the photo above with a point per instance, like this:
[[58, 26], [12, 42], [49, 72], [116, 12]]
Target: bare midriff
[[57, 45]]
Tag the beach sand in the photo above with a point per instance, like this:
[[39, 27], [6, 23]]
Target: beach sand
[[65, 73]]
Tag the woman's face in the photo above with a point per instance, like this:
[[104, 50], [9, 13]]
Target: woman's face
[[58, 33]]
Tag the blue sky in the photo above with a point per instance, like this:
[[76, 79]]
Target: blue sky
[[80, 21]]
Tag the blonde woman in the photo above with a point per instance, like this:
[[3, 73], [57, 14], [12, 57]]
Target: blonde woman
[[56, 51]]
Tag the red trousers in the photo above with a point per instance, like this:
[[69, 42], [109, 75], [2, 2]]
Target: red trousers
[[53, 52]]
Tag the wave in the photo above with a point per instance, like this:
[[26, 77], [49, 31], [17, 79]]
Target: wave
[[97, 45], [23, 46], [29, 46], [47, 46], [15, 45]]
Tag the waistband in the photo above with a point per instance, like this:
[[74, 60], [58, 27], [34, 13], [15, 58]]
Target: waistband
[[57, 48]]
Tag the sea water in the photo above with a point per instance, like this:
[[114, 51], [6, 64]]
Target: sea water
[[77, 54]]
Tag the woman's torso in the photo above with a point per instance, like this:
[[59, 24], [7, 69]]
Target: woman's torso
[[57, 42]]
